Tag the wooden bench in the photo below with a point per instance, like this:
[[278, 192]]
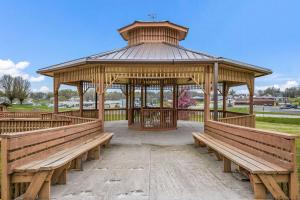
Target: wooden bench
[[267, 158], [32, 161]]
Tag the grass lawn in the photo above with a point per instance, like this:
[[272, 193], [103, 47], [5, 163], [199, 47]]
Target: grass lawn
[[246, 110], [285, 125], [31, 108]]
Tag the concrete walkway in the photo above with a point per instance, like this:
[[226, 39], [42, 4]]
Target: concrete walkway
[[153, 166]]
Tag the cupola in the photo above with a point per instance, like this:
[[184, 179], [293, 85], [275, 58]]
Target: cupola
[[153, 32]]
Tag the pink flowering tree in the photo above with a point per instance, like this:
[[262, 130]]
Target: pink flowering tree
[[185, 99]]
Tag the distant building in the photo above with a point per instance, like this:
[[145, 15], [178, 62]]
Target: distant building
[[259, 101]]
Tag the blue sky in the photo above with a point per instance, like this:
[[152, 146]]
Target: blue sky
[[36, 34]]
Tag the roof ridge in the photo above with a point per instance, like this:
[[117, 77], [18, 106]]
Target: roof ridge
[[197, 52]]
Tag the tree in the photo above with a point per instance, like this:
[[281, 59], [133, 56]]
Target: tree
[[185, 100], [291, 92], [67, 94], [38, 95], [22, 88], [232, 92], [2, 93], [89, 95], [272, 91], [7, 83]]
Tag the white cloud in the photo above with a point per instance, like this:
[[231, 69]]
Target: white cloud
[[289, 84], [37, 79], [282, 87], [16, 69], [42, 89], [22, 65]]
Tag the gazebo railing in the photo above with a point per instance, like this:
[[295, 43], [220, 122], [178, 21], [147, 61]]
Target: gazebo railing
[[113, 114], [134, 115], [72, 119], [32, 114], [244, 120], [20, 125], [157, 118]]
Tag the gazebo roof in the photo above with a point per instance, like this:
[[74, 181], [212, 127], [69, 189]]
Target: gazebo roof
[[154, 42], [153, 53]]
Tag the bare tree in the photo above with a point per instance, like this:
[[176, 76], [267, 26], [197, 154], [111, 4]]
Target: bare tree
[[22, 88], [7, 83], [232, 92]]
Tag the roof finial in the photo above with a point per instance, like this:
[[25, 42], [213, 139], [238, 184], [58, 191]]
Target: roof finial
[[152, 16]]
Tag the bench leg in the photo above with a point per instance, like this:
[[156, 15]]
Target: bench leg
[[260, 191], [218, 156], [84, 157], [271, 184], [106, 144], [44, 193], [94, 154], [227, 165], [60, 175], [210, 150], [293, 186], [37, 183], [77, 164]]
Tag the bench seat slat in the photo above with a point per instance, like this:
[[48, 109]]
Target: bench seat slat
[[252, 163], [250, 149], [62, 157], [258, 159], [253, 143], [81, 149], [214, 144]]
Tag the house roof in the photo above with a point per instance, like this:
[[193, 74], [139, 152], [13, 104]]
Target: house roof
[[153, 53]]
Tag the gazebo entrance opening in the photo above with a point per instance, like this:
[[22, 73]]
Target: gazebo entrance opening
[[153, 112]]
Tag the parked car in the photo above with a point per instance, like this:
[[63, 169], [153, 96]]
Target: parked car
[[289, 106]]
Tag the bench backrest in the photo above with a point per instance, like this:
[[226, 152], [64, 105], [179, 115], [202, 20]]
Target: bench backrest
[[24, 147], [278, 148]]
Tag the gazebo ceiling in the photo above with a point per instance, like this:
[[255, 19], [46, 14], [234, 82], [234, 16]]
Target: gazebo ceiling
[[153, 42]]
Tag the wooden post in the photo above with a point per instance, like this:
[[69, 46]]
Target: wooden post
[[129, 111], [161, 94], [5, 178], [56, 85], [145, 96], [207, 88], [101, 92], [142, 104], [126, 96], [96, 99], [225, 94], [161, 102], [80, 93], [133, 100], [250, 85], [216, 66], [174, 105]]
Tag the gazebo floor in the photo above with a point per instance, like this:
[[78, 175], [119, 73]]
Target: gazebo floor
[[153, 166]]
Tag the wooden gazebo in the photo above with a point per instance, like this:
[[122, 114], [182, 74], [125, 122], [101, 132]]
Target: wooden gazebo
[[154, 59]]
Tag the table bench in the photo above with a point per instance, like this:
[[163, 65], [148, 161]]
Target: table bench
[[34, 160], [267, 158]]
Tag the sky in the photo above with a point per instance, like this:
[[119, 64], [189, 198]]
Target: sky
[[37, 34]]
